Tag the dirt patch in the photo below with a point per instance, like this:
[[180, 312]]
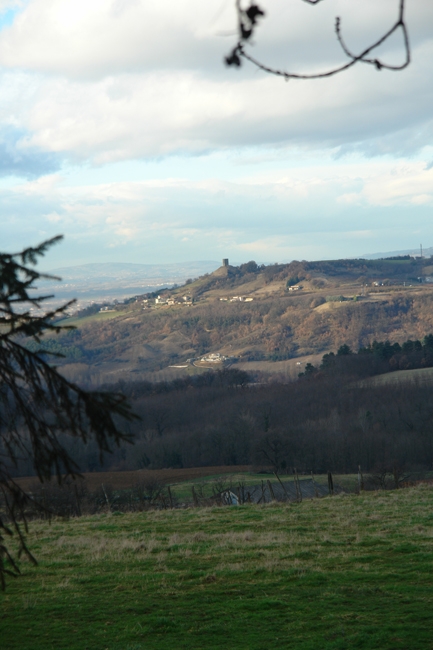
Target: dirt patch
[[125, 480]]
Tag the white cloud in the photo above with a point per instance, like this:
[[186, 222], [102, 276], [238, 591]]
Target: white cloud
[[105, 37], [124, 79], [256, 213], [158, 114], [138, 79], [85, 39], [402, 184], [106, 81]]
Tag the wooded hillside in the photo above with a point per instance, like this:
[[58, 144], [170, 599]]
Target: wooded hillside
[[258, 316]]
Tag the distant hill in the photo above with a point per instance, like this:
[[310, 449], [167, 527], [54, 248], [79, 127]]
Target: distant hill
[[121, 271], [120, 280], [427, 252], [265, 318]]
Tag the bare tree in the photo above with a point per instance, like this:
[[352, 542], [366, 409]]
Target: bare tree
[[248, 20], [39, 408]]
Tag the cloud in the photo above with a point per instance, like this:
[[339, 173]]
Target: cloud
[[159, 114], [127, 79], [403, 184], [19, 159], [101, 84], [90, 40], [296, 213]]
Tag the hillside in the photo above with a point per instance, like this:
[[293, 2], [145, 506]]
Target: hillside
[[252, 315]]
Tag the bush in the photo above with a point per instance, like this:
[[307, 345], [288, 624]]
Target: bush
[[335, 298]]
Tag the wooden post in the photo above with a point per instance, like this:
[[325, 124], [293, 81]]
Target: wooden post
[[282, 484], [263, 493], [242, 492], [360, 480], [106, 497], [330, 484], [316, 492], [299, 485], [194, 496], [170, 496], [271, 491], [296, 485]]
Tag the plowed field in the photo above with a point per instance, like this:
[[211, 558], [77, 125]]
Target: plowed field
[[124, 480]]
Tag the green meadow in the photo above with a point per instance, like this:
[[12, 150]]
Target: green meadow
[[342, 572]]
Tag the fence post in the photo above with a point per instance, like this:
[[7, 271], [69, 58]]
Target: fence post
[[316, 491], [330, 484], [242, 492], [170, 496], [297, 485], [106, 497], [263, 493], [271, 491], [282, 485], [360, 480]]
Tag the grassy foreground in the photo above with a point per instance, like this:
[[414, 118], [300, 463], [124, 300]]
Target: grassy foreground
[[343, 572]]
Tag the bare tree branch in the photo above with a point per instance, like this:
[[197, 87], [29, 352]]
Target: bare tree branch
[[248, 21]]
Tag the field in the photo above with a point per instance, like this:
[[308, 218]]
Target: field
[[94, 318], [333, 573], [124, 480], [182, 480], [421, 375]]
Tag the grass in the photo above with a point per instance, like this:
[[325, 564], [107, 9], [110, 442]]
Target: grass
[[337, 573], [424, 375], [207, 484], [93, 318], [219, 481]]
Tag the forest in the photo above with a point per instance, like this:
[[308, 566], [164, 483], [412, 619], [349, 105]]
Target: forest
[[333, 418]]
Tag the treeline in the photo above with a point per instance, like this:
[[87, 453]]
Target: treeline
[[225, 378], [376, 358], [329, 423]]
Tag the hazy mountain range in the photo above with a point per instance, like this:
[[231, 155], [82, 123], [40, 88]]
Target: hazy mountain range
[[110, 281], [120, 280], [427, 252]]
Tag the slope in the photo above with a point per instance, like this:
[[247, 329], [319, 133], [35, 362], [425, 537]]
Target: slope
[[271, 318]]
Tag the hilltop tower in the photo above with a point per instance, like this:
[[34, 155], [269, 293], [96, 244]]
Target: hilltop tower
[[225, 261]]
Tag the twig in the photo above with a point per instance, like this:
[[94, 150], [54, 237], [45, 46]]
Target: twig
[[247, 23]]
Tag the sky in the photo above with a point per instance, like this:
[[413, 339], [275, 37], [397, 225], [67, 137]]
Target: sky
[[122, 129]]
